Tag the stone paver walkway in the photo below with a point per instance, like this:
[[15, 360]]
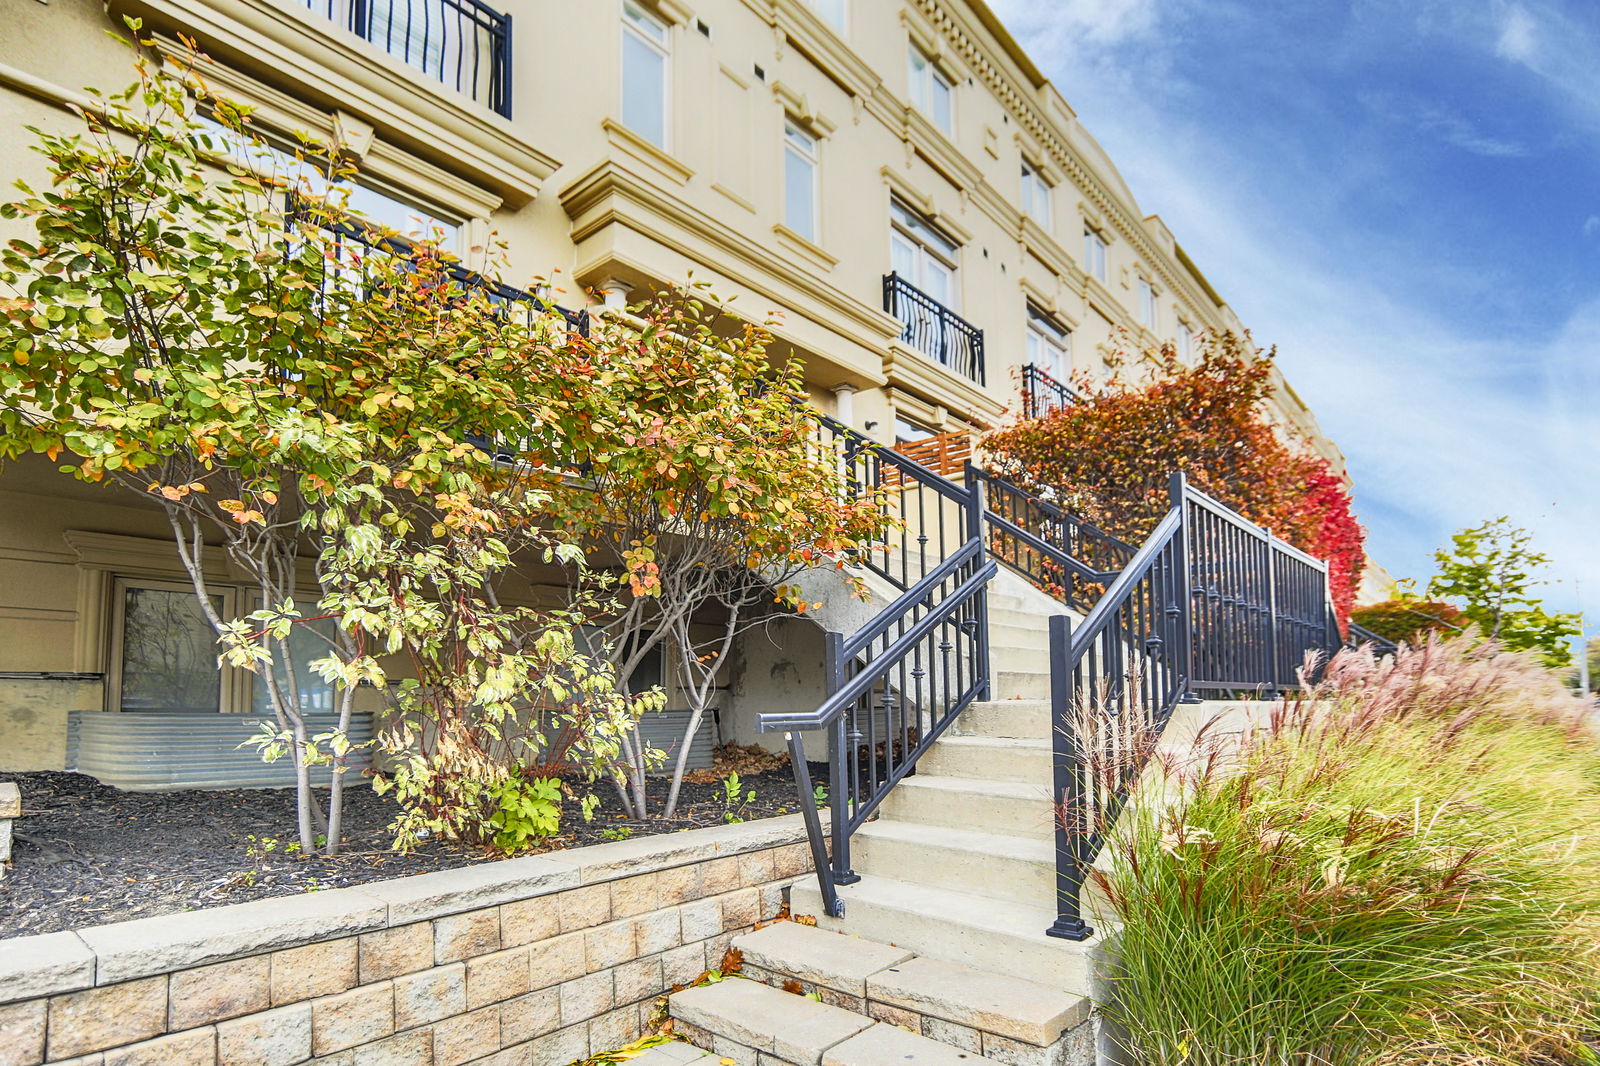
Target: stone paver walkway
[[675, 1054]]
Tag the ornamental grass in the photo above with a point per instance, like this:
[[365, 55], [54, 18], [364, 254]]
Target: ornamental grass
[[1403, 866]]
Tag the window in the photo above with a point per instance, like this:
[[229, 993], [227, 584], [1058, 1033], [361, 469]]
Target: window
[[1035, 196], [907, 431], [1049, 346], [644, 74], [922, 255], [831, 10], [800, 181], [308, 642], [306, 177], [164, 649], [1147, 303], [931, 91], [1185, 341], [1094, 253]]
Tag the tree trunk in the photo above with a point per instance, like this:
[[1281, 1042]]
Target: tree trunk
[[336, 788], [696, 714], [302, 788]]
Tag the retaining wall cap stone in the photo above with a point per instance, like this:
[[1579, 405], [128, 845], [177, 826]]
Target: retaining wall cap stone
[[443, 892], [10, 800], [43, 965], [147, 946], [607, 862]]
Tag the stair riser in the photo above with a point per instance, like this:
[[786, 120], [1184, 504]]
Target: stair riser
[[964, 810], [1006, 718], [1013, 684], [987, 875], [1027, 631], [1019, 660], [944, 937], [1029, 765]]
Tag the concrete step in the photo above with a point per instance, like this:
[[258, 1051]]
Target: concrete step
[[989, 759], [748, 1021], [977, 1009], [1029, 719], [1024, 631], [999, 936], [1029, 684], [1003, 657], [1018, 808], [988, 863]]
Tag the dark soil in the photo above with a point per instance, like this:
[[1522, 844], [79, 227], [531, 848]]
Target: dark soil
[[86, 854]]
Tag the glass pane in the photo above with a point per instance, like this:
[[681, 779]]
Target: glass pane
[[649, 26], [401, 217], [941, 103], [832, 10], [938, 281], [903, 258], [169, 653], [799, 194], [917, 79], [307, 643], [644, 90]]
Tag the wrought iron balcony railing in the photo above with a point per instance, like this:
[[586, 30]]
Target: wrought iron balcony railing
[[463, 43], [934, 329], [1042, 393]]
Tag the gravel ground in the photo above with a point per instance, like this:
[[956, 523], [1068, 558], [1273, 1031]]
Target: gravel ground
[[86, 854]]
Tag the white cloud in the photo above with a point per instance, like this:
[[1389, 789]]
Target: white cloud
[[1441, 123], [1518, 39], [1443, 426], [1099, 21], [1591, 225]]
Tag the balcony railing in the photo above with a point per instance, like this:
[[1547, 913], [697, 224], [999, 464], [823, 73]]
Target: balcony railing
[[1042, 393], [462, 43], [934, 329]]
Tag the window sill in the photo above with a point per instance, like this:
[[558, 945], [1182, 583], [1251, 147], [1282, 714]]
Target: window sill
[[667, 164], [793, 241]]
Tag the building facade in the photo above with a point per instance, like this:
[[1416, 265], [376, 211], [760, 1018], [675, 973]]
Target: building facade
[[896, 180]]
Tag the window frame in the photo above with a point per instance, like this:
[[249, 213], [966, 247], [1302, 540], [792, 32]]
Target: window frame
[[1149, 311], [1048, 333], [635, 15], [928, 242], [1036, 195], [921, 85], [1095, 249], [229, 687], [793, 128]]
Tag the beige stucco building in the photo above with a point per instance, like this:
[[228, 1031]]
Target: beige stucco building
[[791, 154]]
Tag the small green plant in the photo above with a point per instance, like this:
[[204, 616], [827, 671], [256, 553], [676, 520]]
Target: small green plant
[[820, 794], [587, 805], [617, 832], [529, 810], [735, 798], [257, 849]]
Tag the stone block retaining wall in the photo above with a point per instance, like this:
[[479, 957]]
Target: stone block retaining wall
[[527, 962]]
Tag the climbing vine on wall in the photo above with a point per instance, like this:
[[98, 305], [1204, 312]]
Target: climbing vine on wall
[[1109, 456]]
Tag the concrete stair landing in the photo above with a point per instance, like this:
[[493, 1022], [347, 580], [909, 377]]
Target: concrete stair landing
[[809, 997]]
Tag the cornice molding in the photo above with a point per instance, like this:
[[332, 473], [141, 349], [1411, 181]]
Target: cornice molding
[[918, 375], [1018, 101]]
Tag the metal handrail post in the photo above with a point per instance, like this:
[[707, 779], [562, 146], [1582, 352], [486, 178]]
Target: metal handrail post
[[1178, 493], [1067, 791]]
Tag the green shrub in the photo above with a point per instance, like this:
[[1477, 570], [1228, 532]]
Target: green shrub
[[1410, 620], [1404, 867]]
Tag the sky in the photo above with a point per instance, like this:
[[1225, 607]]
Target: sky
[[1404, 197]]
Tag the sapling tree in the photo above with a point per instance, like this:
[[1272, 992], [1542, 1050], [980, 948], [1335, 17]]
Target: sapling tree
[[700, 479], [1489, 571], [293, 388]]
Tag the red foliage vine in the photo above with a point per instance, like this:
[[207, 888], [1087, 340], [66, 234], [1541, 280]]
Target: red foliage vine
[[1109, 457]]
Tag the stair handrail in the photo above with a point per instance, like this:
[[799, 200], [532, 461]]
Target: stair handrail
[[912, 668], [1010, 505], [1137, 615], [1360, 635]]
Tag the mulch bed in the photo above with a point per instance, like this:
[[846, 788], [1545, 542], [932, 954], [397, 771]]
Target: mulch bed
[[86, 854]]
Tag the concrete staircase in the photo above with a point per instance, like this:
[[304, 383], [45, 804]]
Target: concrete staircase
[[960, 865], [808, 997]]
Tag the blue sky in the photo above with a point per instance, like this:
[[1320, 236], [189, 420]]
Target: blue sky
[[1404, 197]]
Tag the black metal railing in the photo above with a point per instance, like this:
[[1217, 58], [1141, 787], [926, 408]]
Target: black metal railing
[[934, 329], [1209, 602], [895, 685], [1042, 393], [1053, 548], [463, 43], [1257, 604], [1359, 635]]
